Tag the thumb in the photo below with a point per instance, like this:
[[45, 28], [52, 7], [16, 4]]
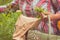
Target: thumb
[[44, 16]]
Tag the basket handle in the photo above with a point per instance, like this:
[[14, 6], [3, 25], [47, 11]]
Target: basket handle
[[49, 26]]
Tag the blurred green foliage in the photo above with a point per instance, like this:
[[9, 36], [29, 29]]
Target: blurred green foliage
[[3, 2], [7, 25]]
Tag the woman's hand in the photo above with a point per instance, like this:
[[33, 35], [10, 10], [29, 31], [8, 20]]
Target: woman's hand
[[52, 16], [44, 15], [55, 16]]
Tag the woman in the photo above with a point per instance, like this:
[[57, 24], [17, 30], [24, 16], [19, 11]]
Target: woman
[[52, 6], [27, 6]]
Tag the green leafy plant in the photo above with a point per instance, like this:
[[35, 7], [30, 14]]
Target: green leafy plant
[[7, 25], [39, 10]]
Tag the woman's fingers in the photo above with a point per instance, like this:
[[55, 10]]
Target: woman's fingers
[[47, 13], [44, 16]]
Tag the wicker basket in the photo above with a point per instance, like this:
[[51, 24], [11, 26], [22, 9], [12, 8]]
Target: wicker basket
[[37, 35]]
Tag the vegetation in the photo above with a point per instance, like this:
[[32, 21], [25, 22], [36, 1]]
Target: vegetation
[[39, 11], [7, 25]]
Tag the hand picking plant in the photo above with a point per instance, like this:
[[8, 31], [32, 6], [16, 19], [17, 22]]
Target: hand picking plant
[[39, 10]]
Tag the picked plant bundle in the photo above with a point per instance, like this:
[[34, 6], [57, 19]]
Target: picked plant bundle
[[41, 13]]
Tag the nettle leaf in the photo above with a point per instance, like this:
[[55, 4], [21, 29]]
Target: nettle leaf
[[39, 10]]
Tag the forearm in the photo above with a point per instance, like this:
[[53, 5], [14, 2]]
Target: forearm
[[54, 16]]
